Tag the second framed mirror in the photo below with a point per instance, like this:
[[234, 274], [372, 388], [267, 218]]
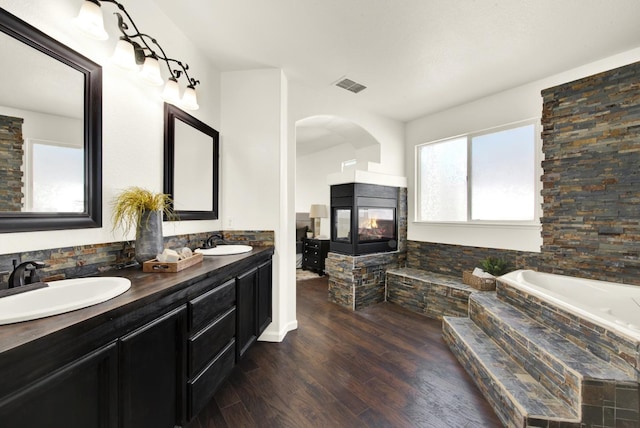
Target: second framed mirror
[[191, 165]]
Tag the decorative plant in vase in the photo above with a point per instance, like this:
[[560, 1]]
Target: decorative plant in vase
[[143, 209], [495, 266]]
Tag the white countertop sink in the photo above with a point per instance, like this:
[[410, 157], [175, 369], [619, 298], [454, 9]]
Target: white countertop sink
[[224, 250], [59, 297]]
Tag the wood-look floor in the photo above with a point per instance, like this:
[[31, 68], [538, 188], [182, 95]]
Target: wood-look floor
[[379, 367]]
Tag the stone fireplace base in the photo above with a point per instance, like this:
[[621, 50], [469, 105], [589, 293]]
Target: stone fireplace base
[[356, 282]]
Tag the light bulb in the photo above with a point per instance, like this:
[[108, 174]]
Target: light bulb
[[124, 55], [151, 71], [189, 99], [171, 92], [90, 20]]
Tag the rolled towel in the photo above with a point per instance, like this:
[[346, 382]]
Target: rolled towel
[[185, 253], [481, 274], [168, 256]]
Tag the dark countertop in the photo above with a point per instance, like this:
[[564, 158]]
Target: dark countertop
[[146, 289]]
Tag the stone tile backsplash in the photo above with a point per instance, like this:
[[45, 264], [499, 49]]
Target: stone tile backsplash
[[84, 260]]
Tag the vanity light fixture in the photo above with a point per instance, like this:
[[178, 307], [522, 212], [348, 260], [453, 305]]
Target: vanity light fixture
[[134, 49]]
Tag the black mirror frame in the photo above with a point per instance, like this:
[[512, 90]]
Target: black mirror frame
[[92, 216], [171, 114]]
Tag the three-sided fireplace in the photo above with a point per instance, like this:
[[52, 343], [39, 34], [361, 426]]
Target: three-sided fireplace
[[363, 219]]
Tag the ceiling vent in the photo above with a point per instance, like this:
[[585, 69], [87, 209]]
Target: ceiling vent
[[350, 85]]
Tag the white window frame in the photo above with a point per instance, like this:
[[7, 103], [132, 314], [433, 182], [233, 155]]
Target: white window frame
[[469, 136], [28, 165]]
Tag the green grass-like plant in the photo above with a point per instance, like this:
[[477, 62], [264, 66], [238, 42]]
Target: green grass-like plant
[[495, 266], [129, 205]]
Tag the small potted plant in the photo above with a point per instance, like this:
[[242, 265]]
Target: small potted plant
[[495, 266], [484, 277], [142, 209]]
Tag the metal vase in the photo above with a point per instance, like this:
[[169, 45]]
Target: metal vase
[[149, 236]]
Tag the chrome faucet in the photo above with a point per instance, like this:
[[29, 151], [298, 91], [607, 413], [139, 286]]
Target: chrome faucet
[[214, 240], [19, 275]]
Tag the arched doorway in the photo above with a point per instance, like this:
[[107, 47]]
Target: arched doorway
[[326, 145]]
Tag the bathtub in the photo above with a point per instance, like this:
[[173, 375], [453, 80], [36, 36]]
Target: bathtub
[[610, 305]]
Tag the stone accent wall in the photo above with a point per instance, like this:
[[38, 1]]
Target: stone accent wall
[[356, 282], [11, 155], [591, 180], [454, 259], [84, 260]]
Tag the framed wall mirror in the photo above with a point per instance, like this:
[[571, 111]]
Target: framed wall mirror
[[50, 132], [191, 165]]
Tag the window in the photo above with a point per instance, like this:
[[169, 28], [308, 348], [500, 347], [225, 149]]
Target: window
[[486, 176], [55, 177]]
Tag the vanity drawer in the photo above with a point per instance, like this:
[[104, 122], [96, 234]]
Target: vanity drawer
[[205, 344], [201, 389], [212, 304]]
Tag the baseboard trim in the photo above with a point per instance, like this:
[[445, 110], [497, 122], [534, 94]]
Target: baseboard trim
[[278, 336]]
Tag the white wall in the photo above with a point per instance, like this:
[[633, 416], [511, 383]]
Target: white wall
[[132, 113], [509, 106], [256, 171], [306, 102], [312, 170], [311, 178], [48, 127]]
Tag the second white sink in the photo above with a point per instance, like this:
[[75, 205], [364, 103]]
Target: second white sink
[[224, 250], [59, 297]]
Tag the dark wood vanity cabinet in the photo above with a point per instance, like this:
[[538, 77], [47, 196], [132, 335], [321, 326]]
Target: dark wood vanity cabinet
[[155, 366], [265, 296], [80, 394], [152, 371], [247, 319], [254, 305], [211, 343], [133, 382]]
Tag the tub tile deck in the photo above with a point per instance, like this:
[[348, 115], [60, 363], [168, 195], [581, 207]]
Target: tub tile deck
[[520, 351], [547, 340], [519, 400], [621, 351]]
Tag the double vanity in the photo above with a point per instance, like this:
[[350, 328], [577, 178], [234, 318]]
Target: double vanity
[[151, 357]]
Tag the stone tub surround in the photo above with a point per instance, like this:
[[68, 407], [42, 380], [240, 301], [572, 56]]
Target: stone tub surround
[[91, 259], [452, 260], [432, 294], [533, 375], [359, 281], [620, 351]]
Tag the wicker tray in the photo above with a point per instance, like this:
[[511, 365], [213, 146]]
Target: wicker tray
[[482, 284], [156, 266]]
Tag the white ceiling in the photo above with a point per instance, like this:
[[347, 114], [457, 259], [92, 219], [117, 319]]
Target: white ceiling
[[415, 56], [322, 132]]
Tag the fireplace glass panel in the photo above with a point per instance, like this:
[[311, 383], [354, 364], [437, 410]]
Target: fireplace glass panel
[[342, 232], [376, 224]]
